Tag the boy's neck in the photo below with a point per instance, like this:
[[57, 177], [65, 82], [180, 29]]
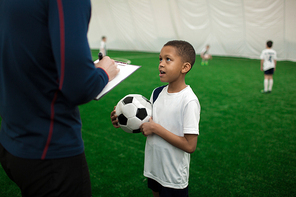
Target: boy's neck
[[174, 88]]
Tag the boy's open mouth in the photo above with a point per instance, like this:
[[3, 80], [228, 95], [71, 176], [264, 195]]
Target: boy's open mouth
[[161, 73]]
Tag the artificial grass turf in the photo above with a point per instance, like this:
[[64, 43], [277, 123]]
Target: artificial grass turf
[[247, 139]]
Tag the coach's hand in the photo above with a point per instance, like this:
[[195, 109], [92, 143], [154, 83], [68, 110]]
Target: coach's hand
[[109, 66]]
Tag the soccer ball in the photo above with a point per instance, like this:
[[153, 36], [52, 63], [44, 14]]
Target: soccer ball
[[207, 56], [132, 111]]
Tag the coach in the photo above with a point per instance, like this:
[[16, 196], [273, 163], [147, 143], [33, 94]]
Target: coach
[[46, 71]]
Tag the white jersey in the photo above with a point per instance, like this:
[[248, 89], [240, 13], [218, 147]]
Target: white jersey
[[179, 113], [268, 55]]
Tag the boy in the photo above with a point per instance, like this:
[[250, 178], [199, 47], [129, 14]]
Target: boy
[[205, 55], [173, 131], [103, 48], [268, 64]]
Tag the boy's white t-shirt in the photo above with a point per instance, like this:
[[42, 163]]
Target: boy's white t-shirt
[[268, 55], [179, 113]]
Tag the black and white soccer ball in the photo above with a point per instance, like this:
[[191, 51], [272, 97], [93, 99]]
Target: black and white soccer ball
[[132, 111]]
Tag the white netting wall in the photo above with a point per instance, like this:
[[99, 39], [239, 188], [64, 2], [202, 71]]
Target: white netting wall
[[232, 28]]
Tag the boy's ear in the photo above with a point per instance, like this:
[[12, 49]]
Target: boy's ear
[[186, 67]]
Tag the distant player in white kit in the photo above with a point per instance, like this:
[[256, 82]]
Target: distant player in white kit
[[205, 55], [103, 48], [268, 65]]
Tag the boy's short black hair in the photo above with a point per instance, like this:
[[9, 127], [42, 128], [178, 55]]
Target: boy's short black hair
[[184, 49], [269, 43]]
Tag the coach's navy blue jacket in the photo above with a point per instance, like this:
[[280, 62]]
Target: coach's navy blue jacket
[[46, 71]]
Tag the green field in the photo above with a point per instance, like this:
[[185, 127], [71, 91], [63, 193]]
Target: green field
[[247, 142]]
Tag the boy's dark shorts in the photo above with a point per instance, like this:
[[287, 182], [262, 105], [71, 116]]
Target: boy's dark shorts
[[165, 191], [269, 72]]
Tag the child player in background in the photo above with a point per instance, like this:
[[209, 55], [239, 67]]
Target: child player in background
[[103, 48], [268, 64], [205, 55], [172, 132]]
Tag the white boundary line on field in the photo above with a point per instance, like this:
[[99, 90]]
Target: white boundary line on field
[[116, 141]]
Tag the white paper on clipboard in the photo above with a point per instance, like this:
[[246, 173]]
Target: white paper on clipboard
[[125, 71]]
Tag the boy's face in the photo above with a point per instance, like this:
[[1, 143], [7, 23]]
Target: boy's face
[[170, 65]]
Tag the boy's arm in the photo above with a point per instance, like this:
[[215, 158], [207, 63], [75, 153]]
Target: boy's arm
[[262, 64], [186, 143], [274, 64]]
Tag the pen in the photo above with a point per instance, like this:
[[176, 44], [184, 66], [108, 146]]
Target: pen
[[100, 56]]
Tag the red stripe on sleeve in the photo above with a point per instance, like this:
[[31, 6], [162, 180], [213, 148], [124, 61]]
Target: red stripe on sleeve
[[62, 53], [62, 40], [51, 126]]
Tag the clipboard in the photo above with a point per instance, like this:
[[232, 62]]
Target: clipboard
[[125, 71]]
